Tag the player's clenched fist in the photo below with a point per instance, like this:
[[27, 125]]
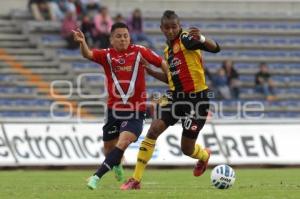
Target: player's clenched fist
[[194, 32], [78, 36]]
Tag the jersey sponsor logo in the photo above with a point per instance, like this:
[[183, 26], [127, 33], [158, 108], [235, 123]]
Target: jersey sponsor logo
[[122, 68], [175, 62], [176, 72]]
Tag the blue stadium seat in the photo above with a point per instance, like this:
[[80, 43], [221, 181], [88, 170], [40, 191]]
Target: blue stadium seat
[[230, 103], [247, 40], [291, 103], [281, 78], [3, 77], [253, 115], [158, 38], [95, 78], [295, 26], [273, 53], [294, 53], [231, 25], [51, 38], [294, 41], [151, 25], [291, 115], [157, 89], [228, 40], [25, 102], [279, 91], [187, 24], [280, 25], [281, 41], [249, 26], [292, 65], [275, 115], [264, 40], [264, 25], [246, 78], [63, 51], [214, 26], [85, 65], [212, 65], [293, 90], [31, 114], [249, 53], [5, 102], [18, 89], [245, 65], [247, 90], [224, 53], [276, 66], [294, 78]]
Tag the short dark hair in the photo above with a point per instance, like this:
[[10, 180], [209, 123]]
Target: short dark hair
[[118, 25], [169, 14]]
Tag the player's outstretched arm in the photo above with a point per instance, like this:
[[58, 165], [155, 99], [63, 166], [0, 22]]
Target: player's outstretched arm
[[80, 38], [195, 40], [157, 74]]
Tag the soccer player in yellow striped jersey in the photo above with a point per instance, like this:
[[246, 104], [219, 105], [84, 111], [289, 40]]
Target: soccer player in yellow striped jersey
[[188, 96]]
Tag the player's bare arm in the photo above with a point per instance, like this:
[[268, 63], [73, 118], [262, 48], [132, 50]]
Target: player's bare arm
[[157, 74], [84, 49]]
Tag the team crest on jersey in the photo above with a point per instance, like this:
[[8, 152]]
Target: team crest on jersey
[[176, 48], [121, 61]]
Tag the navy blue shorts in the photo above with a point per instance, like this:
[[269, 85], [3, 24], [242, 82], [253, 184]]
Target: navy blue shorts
[[119, 121], [191, 108]]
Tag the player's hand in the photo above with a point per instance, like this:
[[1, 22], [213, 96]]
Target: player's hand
[[78, 36], [194, 32]]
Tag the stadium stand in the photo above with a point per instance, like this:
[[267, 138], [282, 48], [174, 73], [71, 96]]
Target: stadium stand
[[35, 63]]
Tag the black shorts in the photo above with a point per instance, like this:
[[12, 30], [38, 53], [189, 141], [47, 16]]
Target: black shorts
[[191, 108], [119, 121]]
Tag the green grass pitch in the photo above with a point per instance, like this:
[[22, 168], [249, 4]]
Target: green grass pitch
[[157, 184]]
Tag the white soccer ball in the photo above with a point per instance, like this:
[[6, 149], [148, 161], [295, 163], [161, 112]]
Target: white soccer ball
[[222, 176]]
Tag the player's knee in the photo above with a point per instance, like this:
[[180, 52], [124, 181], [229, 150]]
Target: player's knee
[[124, 143], [156, 129]]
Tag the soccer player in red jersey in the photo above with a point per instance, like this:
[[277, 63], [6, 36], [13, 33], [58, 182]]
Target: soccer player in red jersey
[[124, 70], [188, 96]]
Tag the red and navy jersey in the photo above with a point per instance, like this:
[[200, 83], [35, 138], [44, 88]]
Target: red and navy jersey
[[125, 75]]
